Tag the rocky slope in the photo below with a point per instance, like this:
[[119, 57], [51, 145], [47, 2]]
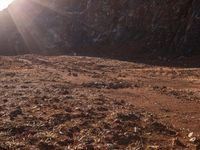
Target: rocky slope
[[166, 26]]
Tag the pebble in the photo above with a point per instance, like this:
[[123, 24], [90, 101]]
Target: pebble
[[190, 134], [193, 139]]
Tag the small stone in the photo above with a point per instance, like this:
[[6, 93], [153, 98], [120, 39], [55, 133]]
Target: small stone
[[15, 113], [110, 146], [190, 134], [153, 147], [177, 142], [135, 129], [193, 139], [75, 74]]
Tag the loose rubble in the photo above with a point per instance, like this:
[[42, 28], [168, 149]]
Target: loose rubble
[[44, 106]]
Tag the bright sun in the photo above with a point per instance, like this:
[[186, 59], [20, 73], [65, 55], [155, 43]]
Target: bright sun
[[4, 4]]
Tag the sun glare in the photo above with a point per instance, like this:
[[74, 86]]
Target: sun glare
[[4, 4]]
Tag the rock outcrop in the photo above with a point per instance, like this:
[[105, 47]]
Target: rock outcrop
[[50, 26]]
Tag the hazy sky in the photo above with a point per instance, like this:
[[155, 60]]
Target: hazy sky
[[4, 3]]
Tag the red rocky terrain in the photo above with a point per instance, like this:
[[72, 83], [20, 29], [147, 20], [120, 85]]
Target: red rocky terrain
[[74, 102], [84, 103]]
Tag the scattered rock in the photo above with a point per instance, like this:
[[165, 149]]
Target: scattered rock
[[15, 113], [190, 134], [128, 117], [177, 143], [60, 118], [159, 127], [66, 142], [109, 85]]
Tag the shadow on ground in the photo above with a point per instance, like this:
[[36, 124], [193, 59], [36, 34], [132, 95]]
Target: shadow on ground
[[135, 54]]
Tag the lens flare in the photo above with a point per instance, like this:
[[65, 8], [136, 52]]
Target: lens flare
[[4, 4]]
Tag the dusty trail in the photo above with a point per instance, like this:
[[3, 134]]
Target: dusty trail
[[80, 102]]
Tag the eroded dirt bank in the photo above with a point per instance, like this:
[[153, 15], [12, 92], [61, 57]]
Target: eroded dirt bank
[[91, 103]]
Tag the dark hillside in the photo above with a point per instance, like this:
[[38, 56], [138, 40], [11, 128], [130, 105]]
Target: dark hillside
[[51, 27]]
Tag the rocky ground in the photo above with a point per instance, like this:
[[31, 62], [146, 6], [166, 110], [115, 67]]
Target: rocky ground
[[85, 103]]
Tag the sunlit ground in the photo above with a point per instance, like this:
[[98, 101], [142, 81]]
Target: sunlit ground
[[4, 4]]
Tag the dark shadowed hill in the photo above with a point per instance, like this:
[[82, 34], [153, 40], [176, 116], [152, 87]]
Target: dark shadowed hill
[[68, 26]]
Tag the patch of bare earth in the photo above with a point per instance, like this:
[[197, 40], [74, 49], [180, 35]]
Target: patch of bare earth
[[84, 103]]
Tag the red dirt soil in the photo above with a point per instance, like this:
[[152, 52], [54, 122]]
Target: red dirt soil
[[64, 102]]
